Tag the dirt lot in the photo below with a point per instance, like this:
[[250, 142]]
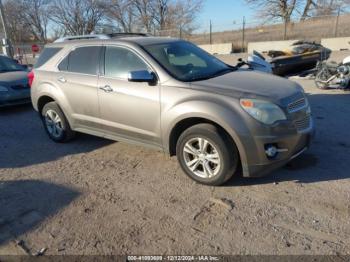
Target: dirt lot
[[95, 196]]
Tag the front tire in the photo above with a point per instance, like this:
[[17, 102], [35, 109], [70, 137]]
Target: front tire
[[321, 77], [207, 154], [56, 124]]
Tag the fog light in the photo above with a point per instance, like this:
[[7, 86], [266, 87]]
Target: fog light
[[271, 151]]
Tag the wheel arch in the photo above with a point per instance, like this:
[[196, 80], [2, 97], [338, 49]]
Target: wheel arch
[[186, 122], [43, 100]]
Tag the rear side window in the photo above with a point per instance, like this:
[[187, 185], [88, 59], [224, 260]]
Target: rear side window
[[84, 60], [46, 55], [63, 66]]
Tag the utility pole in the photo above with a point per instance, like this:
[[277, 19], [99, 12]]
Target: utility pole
[[243, 35], [3, 19], [6, 46]]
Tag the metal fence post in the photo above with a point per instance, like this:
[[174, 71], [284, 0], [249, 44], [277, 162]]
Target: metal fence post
[[180, 32], [243, 35], [285, 30], [337, 24], [210, 33]]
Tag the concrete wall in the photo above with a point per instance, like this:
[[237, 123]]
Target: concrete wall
[[270, 45], [336, 44], [218, 49]]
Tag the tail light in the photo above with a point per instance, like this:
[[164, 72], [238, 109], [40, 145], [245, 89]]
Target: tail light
[[30, 78]]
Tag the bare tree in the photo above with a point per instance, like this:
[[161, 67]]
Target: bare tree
[[122, 12], [34, 13], [167, 14], [144, 11], [329, 7], [183, 14], [160, 10], [314, 8], [16, 27], [286, 9], [57, 32], [76, 17], [30, 22], [308, 5], [275, 9]]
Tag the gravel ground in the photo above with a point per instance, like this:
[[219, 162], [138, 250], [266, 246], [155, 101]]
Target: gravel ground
[[95, 196]]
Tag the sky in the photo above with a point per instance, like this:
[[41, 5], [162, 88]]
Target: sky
[[224, 12]]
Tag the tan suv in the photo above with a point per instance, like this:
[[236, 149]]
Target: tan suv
[[171, 95]]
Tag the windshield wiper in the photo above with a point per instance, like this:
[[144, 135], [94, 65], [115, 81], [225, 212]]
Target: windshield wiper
[[222, 72], [216, 74]]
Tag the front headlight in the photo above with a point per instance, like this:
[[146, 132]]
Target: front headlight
[[3, 89], [263, 111]]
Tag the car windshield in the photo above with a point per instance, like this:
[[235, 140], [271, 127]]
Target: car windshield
[[187, 62], [9, 65]]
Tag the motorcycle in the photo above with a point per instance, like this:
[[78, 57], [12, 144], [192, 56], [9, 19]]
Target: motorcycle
[[256, 62], [331, 75]]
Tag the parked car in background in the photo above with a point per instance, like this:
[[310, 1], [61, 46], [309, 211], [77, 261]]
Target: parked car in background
[[14, 86], [171, 95]]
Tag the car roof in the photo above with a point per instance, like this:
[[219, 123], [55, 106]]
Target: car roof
[[142, 41]]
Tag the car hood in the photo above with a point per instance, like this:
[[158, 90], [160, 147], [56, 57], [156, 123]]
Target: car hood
[[10, 78], [250, 84]]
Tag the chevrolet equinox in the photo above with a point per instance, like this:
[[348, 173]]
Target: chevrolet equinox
[[171, 95]]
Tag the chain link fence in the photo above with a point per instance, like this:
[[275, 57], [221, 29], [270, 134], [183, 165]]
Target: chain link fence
[[243, 32], [239, 33], [24, 53]]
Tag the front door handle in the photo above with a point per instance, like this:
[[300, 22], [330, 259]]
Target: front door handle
[[106, 88], [62, 79]]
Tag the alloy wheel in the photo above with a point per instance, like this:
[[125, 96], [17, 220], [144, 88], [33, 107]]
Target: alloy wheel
[[202, 158], [53, 123]]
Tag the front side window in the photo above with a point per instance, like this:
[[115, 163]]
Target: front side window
[[84, 60], [120, 61], [187, 62]]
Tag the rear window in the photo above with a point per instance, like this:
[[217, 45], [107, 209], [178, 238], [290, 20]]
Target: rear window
[[84, 60], [46, 55]]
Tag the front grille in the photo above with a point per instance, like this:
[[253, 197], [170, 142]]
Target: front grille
[[303, 124], [20, 87], [297, 105]]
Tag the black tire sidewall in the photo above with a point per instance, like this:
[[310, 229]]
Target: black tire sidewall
[[226, 150], [66, 128]]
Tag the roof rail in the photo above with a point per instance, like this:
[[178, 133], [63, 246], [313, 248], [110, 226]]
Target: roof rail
[[81, 37], [120, 35]]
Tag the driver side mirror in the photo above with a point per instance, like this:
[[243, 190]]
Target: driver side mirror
[[142, 76]]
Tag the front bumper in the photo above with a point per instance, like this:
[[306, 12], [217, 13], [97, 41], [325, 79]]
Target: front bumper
[[295, 144], [15, 97]]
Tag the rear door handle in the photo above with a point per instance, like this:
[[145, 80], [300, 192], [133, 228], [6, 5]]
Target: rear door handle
[[62, 79], [106, 88]]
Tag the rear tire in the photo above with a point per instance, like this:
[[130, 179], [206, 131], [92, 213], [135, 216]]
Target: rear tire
[[207, 154], [56, 124]]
